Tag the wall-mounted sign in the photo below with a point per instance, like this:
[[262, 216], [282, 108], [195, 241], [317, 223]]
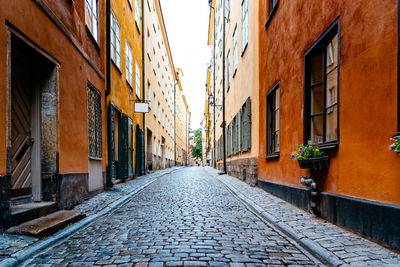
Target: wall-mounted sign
[[141, 107]]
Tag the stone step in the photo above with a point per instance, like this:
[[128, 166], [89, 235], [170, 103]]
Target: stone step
[[46, 225], [30, 211]]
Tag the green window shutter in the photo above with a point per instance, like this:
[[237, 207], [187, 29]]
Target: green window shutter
[[234, 135], [239, 132], [131, 150], [137, 146], [248, 126], [111, 144], [243, 130], [125, 147], [228, 140]]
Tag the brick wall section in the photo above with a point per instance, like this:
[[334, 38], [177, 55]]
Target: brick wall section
[[243, 169]]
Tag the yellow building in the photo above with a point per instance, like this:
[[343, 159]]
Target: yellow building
[[235, 75], [125, 87], [162, 86]]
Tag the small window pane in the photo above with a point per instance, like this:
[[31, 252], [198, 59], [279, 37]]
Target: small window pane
[[317, 68], [277, 120], [332, 54], [331, 88], [331, 123], [317, 99], [277, 98], [277, 141], [317, 125]]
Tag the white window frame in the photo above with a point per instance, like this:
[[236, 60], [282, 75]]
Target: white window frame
[[235, 50], [137, 80], [129, 64], [245, 24], [137, 14], [115, 41], [92, 22]]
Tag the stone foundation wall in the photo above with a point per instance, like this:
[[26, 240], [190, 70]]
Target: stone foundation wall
[[243, 169], [67, 189], [5, 202]]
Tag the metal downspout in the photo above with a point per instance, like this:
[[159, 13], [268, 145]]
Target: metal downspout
[[143, 90]]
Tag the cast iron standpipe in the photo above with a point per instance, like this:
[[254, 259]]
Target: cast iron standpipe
[[309, 182]]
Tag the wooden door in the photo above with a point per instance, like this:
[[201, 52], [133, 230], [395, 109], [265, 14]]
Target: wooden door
[[21, 140]]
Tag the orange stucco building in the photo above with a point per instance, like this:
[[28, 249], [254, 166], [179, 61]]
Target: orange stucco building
[[329, 74], [52, 102]]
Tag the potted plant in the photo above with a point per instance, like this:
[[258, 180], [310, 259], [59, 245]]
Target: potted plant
[[396, 145], [310, 157]]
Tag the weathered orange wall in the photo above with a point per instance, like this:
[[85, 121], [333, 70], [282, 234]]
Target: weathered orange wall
[[362, 166], [74, 73]]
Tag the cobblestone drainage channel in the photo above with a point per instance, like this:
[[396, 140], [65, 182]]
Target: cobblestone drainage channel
[[24, 254], [306, 245]]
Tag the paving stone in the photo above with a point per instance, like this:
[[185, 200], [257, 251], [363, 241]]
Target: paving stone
[[189, 218]]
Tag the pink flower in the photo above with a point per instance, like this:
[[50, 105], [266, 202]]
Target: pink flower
[[391, 147]]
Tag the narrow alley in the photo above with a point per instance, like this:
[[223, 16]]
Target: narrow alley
[[189, 218]]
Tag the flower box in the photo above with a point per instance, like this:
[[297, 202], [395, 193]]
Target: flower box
[[314, 163]]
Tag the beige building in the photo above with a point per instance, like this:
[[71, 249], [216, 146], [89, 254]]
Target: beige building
[[161, 84], [182, 126], [239, 60]]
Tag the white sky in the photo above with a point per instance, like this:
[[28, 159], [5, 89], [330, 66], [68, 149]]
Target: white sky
[[186, 22]]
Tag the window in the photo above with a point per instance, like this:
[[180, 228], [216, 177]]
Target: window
[[227, 70], [321, 91], [245, 24], [138, 87], [148, 45], [159, 112], [137, 14], [273, 121], [94, 123], [129, 63], [115, 41], [91, 19], [149, 93], [234, 50], [154, 105], [272, 5]]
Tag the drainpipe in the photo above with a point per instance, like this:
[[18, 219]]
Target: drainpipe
[[214, 140], [143, 90], [223, 85], [309, 182], [108, 48]]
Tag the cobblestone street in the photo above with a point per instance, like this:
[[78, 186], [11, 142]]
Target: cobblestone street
[[186, 218]]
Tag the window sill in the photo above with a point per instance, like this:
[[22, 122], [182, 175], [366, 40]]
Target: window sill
[[234, 73], [245, 48], [271, 15], [95, 158], [329, 146], [96, 44], [272, 156]]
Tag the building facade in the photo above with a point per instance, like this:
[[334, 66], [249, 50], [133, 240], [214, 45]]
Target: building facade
[[161, 85], [125, 135], [335, 82], [233, 34], [52, 103]]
